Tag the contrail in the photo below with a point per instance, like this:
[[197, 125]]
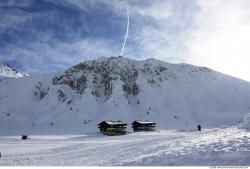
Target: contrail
[[125, 39]]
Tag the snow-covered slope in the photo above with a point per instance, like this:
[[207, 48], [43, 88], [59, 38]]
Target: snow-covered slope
[[246, 122], [7, 71], [175, 96]]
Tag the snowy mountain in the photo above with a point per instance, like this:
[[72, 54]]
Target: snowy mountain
[[175, 96], [7, 71]]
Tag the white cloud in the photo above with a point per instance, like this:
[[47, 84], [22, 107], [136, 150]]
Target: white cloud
[[72, 3], [147, 30], [43, 57], [212, 33], [14, 17], [160, 30], [221, 40], [157, 10], [16, 3]]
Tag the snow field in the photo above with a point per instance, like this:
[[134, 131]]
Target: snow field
[[228, 146]]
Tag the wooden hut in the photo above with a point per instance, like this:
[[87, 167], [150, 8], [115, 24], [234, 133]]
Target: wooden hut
[[112, 128], [143, 126]]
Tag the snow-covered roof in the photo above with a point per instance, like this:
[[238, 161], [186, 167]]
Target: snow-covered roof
[[113, 122], [144, 122]]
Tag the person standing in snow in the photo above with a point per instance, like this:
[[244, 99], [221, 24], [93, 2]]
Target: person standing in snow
[[199, 127]]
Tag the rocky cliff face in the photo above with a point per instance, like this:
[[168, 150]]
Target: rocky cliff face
[[100, 76]]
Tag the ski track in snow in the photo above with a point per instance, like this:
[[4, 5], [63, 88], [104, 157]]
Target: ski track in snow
[[229, 146]]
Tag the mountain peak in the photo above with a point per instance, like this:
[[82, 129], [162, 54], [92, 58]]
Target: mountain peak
[[6, 70], [7, 65]]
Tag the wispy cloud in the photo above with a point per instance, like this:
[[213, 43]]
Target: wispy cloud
[[222, 37], [51, 35], [45, 57], [46, 40]]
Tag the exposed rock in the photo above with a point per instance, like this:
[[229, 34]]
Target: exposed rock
[[40, 90], [61, 96], [100, 75]]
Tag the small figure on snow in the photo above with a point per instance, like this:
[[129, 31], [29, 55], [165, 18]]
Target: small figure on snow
[[24, 137], [199, 127]]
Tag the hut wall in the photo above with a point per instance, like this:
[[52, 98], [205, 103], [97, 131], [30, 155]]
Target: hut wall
[[113, 129], [144, 128]]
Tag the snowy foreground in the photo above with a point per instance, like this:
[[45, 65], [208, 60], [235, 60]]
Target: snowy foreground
[[228, 146]]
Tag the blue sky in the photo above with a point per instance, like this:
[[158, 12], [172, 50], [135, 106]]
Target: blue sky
[[40, 36]]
